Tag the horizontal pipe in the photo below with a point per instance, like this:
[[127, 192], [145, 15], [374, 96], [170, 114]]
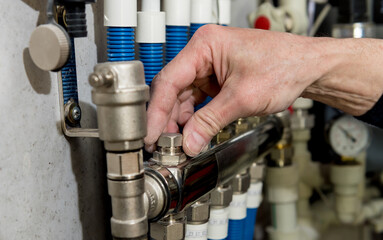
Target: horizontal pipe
[[217, 166]]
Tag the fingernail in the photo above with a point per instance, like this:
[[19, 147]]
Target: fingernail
[[195, 143], [149, 148]]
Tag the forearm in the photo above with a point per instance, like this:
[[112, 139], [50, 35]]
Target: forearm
[[351, 74]]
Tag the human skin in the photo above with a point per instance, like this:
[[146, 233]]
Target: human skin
[[251, 72]]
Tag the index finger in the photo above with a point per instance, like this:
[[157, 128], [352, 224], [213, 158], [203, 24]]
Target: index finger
[[192, 62]]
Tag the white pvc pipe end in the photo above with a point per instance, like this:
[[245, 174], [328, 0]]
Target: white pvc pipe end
[[150, 6], [218, 223], [224, 12], [254, 195], [237, 208], [177, 12], [151, 27], [201, 11], [196, 232], [120, 13]]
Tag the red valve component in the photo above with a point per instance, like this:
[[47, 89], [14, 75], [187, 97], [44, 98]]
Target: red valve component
[[262, 22], [291, 110]]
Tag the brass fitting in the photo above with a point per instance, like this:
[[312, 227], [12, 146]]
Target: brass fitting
[[169, 149]]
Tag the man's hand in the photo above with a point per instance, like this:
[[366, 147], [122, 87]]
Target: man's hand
[[248, 72]]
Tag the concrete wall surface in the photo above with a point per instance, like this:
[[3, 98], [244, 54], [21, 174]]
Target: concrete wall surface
[[51, 187]]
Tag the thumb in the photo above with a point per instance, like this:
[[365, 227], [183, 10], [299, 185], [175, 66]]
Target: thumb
[[208, 121]]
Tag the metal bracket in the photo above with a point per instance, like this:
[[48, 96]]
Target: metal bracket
[[67, 130]]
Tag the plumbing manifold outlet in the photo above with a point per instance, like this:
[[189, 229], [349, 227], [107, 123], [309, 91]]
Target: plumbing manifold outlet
[[169, 151], [221, 196], [198, 213]]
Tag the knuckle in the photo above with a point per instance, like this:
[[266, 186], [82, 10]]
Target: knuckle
[[208, 120], [205, 31]]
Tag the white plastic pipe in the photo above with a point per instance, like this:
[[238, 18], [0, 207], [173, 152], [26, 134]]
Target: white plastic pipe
[[177, 12], [254, 195], [150, 5], [151, 27], [218, 223], [201, 11], [284, 217], [237, 208], [120, 13], [196, 232], [224, 12]]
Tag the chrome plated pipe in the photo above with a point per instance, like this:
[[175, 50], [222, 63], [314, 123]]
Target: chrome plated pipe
[[185, 183]]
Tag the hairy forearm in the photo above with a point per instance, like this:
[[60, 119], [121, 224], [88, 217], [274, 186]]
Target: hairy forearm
[[351, 74]]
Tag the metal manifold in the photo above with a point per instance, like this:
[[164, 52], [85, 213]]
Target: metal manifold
[[170, 188]]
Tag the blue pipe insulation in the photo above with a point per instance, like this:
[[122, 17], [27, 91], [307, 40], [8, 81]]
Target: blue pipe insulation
[[251, 215], [69, 77], [201, 105], [194, 27], [120, 44], [236, 229], [151, 55], [176, 40]]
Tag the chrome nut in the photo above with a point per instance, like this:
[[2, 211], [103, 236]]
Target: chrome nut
[[169, 160], [168, 230], [170, 140], [124, 165], [199, 212], [257, 171], [240, 183], [221, 196]]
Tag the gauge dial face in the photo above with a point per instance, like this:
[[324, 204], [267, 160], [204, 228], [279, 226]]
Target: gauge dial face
[[349, 137]]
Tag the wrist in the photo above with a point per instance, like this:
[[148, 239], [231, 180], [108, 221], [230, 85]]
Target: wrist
[[348, 76]]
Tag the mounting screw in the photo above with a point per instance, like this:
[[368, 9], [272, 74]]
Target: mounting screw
[[72, 113], [76, 113]]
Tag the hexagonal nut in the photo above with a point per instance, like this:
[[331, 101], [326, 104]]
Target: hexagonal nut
[[169, 160], [282, 153], [223, 136], [167, 230], [241, 183], [257, 171], [221, 196], [124, 165], [170, 140], [199, 212]]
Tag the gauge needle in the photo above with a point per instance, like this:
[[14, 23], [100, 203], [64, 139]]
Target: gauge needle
[[348, 135]]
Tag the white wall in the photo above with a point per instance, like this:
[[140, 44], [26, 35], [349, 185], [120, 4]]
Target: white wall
[[51, 187], [240, 10]]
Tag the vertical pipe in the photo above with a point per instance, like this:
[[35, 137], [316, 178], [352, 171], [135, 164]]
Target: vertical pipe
[[201, 11], [237, 209], [120, 16], [177, 26], [69, 77], [151, 36], [224, 12], [254, 198], [237, 217]]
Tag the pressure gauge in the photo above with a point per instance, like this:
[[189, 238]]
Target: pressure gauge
[[349, 137]]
